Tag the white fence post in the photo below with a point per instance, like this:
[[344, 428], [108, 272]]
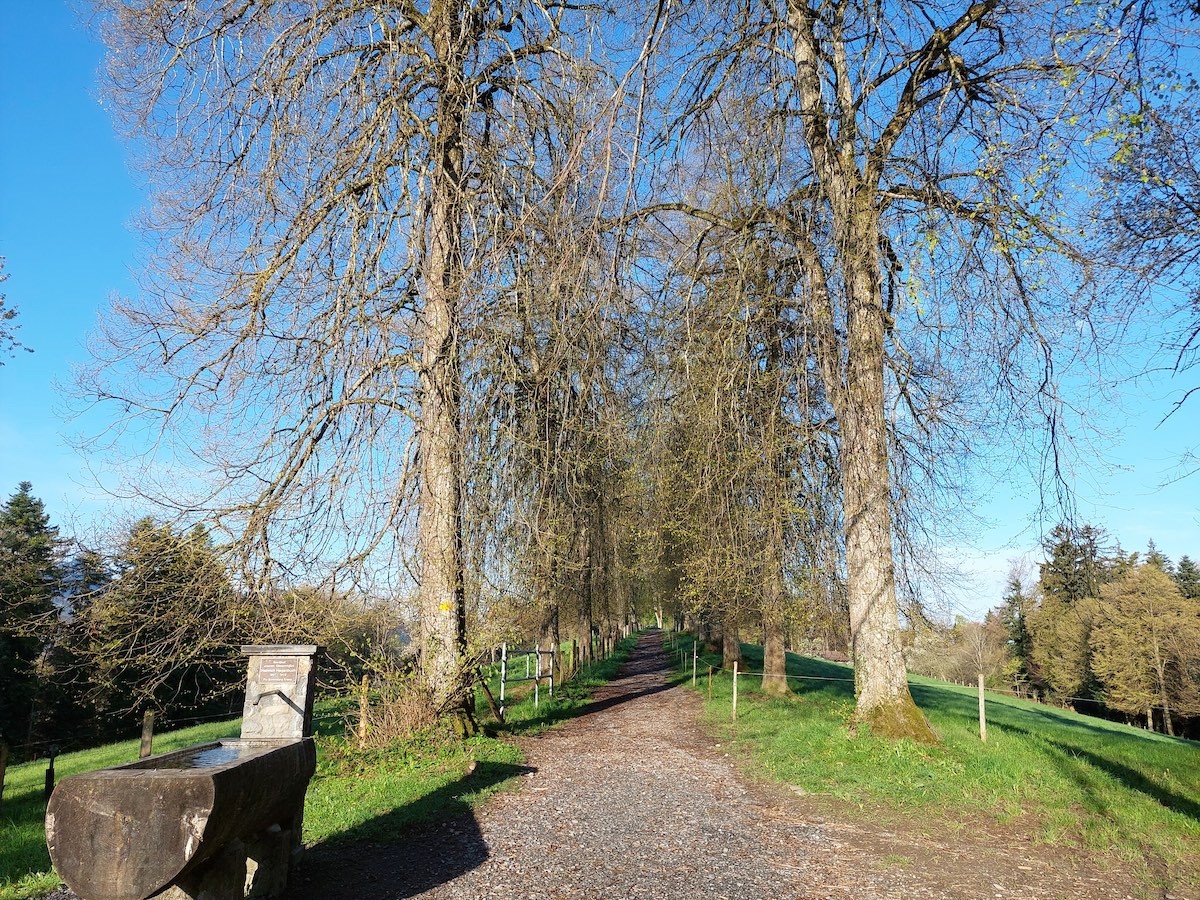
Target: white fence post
[[982, 712], [503, 673], [735, 668]]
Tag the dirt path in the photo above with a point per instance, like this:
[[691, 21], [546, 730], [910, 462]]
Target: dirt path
[[631, 799]]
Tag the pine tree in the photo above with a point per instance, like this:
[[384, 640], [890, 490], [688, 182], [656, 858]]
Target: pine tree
[[29, 575], [1158, 559], [67, 710], [1070, 582], [162, 635], [1074, 567], [1187, 577], [1014, 615]]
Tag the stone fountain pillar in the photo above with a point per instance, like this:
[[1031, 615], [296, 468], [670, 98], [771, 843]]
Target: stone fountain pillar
[[279, 692], [280, 685]]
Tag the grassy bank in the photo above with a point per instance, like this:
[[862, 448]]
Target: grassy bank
[[355, 794], [1050, 775]]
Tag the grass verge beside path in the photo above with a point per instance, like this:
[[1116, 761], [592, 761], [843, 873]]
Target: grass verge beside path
[[1046, 775], [354, 795]]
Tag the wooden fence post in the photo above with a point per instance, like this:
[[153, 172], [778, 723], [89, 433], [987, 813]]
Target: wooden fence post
[[537, 674], [693, 663], [147, 734], [982, 712], [3, 768], [364, 709], [710, 682], [49, 789], [503, 675]]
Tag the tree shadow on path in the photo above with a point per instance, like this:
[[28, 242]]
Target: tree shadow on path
[[391, 857]]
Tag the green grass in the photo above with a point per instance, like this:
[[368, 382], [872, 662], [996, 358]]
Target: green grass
[[1053, 776], [355, 794]]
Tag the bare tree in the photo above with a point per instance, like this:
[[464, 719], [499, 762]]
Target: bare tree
[[929, 197], [962, 651], [745, 449], [1155, 185], [333, 190], [8, 339]]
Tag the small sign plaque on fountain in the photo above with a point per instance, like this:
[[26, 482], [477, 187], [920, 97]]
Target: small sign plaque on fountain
[[279, 691]]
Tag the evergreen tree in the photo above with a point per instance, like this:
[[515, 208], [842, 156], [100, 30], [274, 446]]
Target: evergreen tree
[[1074, 568], [67, 709], [1187, 577], [1014, 615], [1158, 559], [164, 633], [86, 575], [1069, 583], [29, 576]]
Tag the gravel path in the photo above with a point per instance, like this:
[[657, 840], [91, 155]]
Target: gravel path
[[631, 799]]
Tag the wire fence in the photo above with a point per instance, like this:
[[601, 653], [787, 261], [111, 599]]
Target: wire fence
[[713, 668]]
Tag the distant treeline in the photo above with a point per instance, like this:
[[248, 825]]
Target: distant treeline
[[91, 638], [1101, 630]]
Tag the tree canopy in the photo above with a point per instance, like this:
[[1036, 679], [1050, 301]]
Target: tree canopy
[[8, 328], [1146, 645], [494, 306], [29, 573]]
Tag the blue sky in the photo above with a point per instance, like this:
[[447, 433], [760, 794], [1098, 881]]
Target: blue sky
[[67, 198]]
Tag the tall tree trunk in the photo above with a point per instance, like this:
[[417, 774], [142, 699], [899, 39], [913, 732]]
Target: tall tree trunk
[[551, 639], [598, 572], [774, 490], [731, 641], [854, 383], [443, 614], [774, 680], [880, 679], [587, 585], [1160, 670]]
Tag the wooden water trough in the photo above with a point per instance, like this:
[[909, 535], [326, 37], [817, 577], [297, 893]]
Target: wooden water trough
[[217, 821]]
